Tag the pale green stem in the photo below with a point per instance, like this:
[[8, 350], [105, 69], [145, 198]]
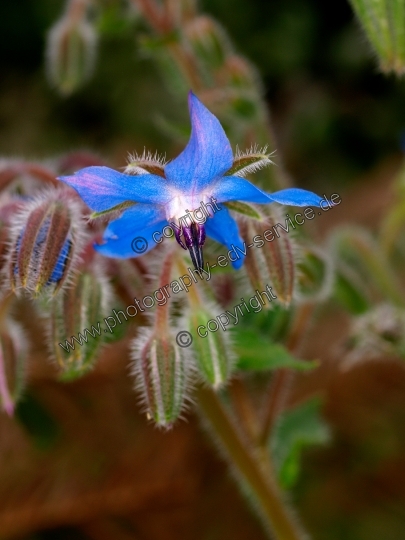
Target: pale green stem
[[264, 489]]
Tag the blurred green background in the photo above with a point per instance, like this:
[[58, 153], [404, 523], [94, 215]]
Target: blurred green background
[[329, 103]]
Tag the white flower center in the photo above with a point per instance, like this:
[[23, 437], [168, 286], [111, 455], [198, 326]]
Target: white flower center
[[189, 207]]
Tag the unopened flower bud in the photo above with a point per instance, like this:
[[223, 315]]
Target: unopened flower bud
[[272, 259], [162, 375], [315, 274], [212, 345], [45, 241], [75, 322], [240, 73], [208, 40], [71, 53], [13, 354]]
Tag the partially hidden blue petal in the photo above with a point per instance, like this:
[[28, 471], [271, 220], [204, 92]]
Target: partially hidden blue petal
[[60, 265], [207, 156], [234, 188], [296, 197], [131, 235], [102, 188], [223, 228]]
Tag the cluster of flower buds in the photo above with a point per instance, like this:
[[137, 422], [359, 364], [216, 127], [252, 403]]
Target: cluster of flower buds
[[46, 236]]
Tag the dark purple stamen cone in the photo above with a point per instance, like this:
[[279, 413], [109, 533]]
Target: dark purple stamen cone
[[194, 238]]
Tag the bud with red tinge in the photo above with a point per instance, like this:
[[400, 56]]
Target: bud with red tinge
[[46, 238]]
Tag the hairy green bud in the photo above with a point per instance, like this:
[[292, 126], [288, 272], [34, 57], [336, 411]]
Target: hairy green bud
[[162, 375]]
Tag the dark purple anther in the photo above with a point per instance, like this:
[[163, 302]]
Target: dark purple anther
[[177, 234], [194, 238]]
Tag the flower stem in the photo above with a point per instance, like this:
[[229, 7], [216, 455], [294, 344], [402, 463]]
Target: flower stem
[[162, 312], [265, 490]]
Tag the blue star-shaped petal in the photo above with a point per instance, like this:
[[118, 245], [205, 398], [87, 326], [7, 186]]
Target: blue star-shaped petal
[[196, 176]]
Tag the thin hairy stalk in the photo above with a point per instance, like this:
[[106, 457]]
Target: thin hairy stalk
[[244, 409], [162, 312], [267, 494]]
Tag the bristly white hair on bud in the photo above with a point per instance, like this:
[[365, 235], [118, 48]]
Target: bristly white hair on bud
[[146, 163], [73, 321], [46, 237], [213, 354], [162, 375], [250, 161]]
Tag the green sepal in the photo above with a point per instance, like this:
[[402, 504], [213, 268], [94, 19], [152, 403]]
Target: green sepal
[[249, 161], [243, 208], [114, 210]]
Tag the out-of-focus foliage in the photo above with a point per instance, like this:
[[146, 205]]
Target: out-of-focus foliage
[[383, 22], [295, 430]]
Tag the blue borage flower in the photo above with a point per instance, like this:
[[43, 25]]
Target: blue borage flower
[[196, 176]]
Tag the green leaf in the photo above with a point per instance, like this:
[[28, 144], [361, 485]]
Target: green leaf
[[294, 431], [257, 353]]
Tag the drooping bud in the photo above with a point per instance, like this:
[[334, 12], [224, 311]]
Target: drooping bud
[[74, 322], [45, 242], [208, 40], [212, 345], [315, 274], [239, 73], [13, 355], [363, 271], [71, 51], [271, 258], [162, 375]]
